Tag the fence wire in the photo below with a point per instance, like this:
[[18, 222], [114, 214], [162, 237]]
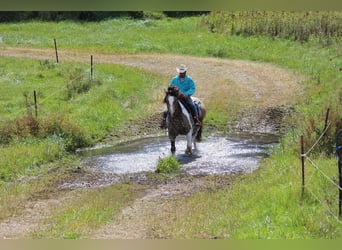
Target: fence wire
[[322, 202], [319, 170], [319, 139], [324, 174], [61, 89]]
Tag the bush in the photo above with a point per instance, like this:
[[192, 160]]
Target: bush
[[167, 165], [19, 128], [56, 125]]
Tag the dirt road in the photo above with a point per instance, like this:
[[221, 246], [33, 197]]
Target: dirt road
[[267, 85]]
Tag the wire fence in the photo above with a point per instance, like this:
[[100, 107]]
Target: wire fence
[[29, 105], [318, 170]]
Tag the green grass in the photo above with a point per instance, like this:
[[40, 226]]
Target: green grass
[[82, 120], [118, 35], [23, 158], [92, 207], [265, 204]]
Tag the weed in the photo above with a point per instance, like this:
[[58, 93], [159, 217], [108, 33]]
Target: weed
[[167, 165], [79, 83]]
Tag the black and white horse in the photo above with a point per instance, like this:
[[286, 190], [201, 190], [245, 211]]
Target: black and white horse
[[180, 120]]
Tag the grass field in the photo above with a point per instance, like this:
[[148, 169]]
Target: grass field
[[82, 115]]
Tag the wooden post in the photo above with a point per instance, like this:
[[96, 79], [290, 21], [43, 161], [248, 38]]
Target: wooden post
[[35, 103], [339, 157], [56, 50], [303, 166], [326, 121], [91, 68], [340, 189]]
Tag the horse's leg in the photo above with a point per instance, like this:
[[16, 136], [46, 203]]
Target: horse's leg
[[173, 146], [189, 142], [195, 145], [199, 133]]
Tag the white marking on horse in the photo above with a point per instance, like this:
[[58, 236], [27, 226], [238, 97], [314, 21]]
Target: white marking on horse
[[186, 113], [189, 139], [171, 101]]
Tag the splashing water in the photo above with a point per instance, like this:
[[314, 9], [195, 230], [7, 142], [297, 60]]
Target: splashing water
[[214, 155]]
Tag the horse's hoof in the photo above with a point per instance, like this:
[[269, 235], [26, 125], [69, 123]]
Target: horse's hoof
[[188, 152]]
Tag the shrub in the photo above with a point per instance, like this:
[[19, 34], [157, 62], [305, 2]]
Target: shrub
[[19, 128], [167, 165], [58, 125]]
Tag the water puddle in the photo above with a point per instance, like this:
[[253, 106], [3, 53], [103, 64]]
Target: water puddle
[[214, 155]]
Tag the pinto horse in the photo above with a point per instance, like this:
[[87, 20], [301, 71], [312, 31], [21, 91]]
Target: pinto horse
[[180, 120]]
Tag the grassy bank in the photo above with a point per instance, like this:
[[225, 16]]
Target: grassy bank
[[73, 111], [265, 204]]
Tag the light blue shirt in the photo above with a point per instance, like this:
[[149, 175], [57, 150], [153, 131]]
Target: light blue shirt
[[186, 85]]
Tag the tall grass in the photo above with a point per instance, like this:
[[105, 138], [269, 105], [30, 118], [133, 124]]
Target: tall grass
[[302, 26]]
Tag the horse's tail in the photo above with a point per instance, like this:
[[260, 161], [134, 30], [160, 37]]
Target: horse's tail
[[201, 118]]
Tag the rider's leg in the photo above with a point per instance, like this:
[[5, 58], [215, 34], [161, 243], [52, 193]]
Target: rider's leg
[[193, 110]]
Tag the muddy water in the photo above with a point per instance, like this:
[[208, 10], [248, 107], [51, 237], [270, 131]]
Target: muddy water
[[214, 155]]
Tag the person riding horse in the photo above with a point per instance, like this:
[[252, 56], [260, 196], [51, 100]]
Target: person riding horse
[[187, 87]]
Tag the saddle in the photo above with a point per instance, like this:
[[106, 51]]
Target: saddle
[[196, 102]]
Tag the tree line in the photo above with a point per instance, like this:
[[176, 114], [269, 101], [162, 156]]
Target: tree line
[[17, 16]]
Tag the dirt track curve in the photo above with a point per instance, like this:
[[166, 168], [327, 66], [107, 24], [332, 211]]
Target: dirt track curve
[[268, 85]]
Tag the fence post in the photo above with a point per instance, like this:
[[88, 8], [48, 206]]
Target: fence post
[[303, 158], [326, 121], [35, 103], [339, 157], [340, 185], [91, 68], [56, 50]]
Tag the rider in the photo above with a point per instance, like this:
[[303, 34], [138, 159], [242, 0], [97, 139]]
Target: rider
[[187, 87]]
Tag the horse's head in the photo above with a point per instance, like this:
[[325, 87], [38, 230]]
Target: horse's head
[[172, 91], [171, 95]]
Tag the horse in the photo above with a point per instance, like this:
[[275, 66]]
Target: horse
[[180, 120]]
